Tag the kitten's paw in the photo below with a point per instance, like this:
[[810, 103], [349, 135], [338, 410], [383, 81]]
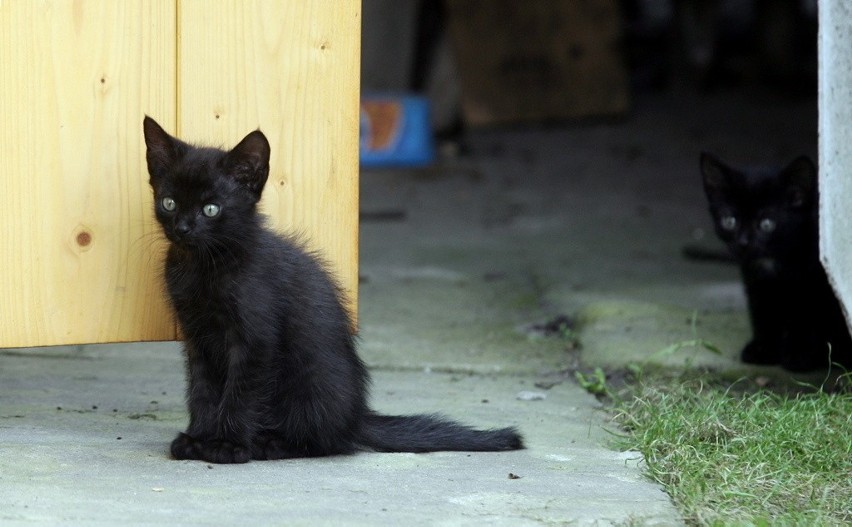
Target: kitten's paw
[[214, 451], [268, 446], [757, 352], [804, 354], [218, 451], [802, 364], [184, 447]]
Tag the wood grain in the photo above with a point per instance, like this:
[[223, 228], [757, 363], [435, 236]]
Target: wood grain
[[81, 252], [78, 260], [290, 68]]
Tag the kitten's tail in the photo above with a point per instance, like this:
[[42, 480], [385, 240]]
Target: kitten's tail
[[430, 433]]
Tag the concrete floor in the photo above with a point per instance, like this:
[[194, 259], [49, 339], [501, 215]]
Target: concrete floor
[[585, 220]]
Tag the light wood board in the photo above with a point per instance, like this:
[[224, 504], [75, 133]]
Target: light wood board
[[80, 251], [291, 69]]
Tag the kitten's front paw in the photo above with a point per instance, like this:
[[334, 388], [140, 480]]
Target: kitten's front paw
[[757, 352], [797, 363], [184, 447], [214, 451], [218, 451], [804, 354], [268, 446]]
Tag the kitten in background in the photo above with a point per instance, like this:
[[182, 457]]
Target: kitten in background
[[768, 218]]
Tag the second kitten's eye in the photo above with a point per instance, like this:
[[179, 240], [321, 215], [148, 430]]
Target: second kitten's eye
[[767, 225], [169, 204], [729, 223], [210, 210]]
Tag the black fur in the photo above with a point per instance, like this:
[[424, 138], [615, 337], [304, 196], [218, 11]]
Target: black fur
[[271, 361], [769, 220]]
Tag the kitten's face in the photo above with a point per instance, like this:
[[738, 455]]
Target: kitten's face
[[197, 203], [202, 196], [764, 216]]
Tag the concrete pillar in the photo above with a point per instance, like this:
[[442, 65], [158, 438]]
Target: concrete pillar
[[835, 145]]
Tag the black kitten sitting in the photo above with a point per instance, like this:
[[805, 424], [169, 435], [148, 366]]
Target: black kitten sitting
[[768, 219], [271, 360]]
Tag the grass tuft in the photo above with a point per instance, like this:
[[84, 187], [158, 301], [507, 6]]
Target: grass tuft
[[729, 457]]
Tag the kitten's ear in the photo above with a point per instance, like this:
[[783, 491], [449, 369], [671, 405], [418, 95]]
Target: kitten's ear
[[163, 149], [248, 162], [715, 174], [800, 178]]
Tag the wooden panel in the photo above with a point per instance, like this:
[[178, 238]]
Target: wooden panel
[[290, 68], [79, 258]]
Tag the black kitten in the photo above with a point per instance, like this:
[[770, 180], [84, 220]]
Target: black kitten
[[769, 220], [271, 360]]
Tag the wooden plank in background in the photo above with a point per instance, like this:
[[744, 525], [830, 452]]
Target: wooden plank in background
[[538, 60], [78, 246], [292, 70]]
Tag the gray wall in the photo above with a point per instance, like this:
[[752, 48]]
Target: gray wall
[[835, 144]]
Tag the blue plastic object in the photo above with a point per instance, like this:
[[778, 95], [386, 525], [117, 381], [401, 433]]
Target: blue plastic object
[[395, 131]]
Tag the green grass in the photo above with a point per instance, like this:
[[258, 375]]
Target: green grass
[[733, 457]]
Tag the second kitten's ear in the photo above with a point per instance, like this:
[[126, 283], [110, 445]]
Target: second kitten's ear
[[163, 149], [714, 174], [716, 177], [248, 162], [800, 177]]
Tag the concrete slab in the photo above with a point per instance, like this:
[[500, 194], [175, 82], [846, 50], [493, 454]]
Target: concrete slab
[[84, 436]]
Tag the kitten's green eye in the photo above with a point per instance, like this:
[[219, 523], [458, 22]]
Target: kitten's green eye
[[767, 225], [729, 223], [210, 210], [169, 204]]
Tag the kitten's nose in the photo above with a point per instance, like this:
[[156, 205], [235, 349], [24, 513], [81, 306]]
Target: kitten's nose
[[183, 228]]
